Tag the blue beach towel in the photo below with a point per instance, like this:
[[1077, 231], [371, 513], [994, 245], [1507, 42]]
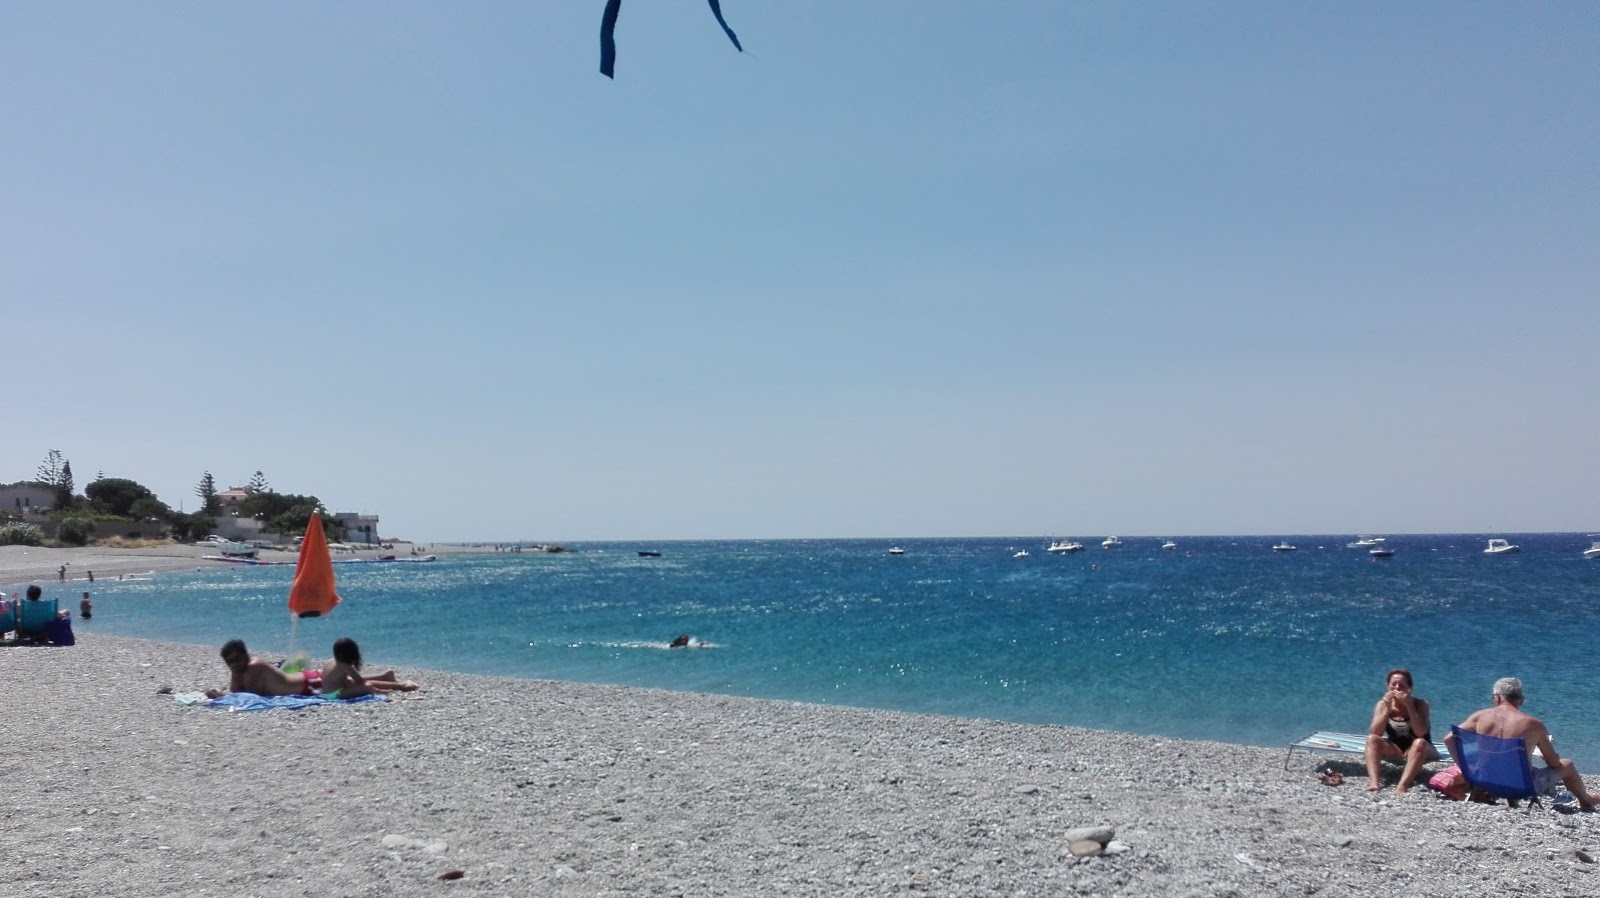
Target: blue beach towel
[[247, 701]]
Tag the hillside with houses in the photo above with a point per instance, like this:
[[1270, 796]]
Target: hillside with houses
[[49, 508]]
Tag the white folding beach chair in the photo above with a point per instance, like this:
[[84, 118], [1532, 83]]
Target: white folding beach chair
[[1343, 744]]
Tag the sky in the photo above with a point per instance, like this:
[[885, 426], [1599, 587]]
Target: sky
[[900, 269]]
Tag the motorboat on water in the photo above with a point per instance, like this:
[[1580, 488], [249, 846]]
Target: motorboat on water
[[1381, 552], [1111, 542], [896, 550], [1021, 554], [1283, 546], [1365, 542], [1064, 546], [1169, 544], [1593, 551], [1501, 547]]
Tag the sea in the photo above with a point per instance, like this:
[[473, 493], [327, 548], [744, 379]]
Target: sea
[[1221, 638]]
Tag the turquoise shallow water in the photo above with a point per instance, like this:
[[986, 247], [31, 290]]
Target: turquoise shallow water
[[1221, 639]]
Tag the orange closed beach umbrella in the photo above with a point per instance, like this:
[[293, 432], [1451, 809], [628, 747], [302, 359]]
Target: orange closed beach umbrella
[[312, 594]]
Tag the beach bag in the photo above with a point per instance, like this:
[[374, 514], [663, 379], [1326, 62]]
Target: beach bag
[[1450, 783], [59, 632]]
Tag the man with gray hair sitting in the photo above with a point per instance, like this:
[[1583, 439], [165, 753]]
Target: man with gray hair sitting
[[1505, 719]]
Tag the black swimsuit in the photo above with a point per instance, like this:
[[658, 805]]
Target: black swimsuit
[[1401, 740]]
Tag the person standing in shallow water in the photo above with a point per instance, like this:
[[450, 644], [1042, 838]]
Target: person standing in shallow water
[[1400, 729], [86, 608]]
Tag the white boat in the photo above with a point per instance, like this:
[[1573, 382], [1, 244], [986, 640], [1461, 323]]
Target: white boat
[[896, 550], [1021, 554], [1283, 546], [1365, 542], [1064, 546], [1169, 544], [1111, 542], [1381, 552], [1593, 551], [1501, 547]]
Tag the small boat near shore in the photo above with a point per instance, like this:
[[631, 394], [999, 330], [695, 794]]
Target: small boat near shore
[[1111, 542], [241, 559], [1593, 551], [1065, 546], [1169, 544], [896, 550], [1283, 546], [1501, 547], [1381, 552], [1021, 554], [1365, 542]]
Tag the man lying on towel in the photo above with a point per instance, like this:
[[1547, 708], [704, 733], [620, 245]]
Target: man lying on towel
[[247, 674]]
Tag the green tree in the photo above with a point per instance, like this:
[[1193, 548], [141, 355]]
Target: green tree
[[116, 495], [295, 518], [64, 487], [258, 483], [207, 491], [149, 507], [76, 530], [284, 513], [189, 527], [50, 469], [16, 534]]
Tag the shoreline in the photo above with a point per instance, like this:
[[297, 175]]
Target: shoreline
[[529, 786], [22, 565]]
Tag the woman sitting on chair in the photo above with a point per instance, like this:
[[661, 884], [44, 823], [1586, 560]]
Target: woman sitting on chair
[[1400, 729]]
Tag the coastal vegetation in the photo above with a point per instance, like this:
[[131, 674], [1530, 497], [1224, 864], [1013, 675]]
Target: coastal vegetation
[[111, 500], [19, 534]]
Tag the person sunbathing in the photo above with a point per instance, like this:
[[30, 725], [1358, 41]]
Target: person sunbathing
[[342, 677], [247, 674], [1399, 729]]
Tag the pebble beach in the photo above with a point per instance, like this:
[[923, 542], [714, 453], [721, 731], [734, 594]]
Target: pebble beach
[[522, 787]]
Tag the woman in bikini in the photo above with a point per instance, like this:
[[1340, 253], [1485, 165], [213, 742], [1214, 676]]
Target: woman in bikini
[[342, 677], [1400, 729]]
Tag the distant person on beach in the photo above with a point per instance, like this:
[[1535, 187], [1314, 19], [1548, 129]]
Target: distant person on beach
[[1505, 719], [86, 608], [1400, 729], [247, 674], [62, 574], [342, 676]]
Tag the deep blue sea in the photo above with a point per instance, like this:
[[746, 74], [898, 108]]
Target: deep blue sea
[[1219, 639]]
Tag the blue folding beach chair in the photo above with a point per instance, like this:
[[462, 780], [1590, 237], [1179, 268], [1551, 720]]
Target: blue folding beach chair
[[1496, 767], [34, 615]]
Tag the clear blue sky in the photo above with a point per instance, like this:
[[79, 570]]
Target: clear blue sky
[[902, 269]]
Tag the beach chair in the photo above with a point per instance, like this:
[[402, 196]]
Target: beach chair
[[34, 616], [1496, 767], [1344, 744]]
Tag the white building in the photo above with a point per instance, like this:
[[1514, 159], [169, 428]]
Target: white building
[[359, 528], [26, 499]]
